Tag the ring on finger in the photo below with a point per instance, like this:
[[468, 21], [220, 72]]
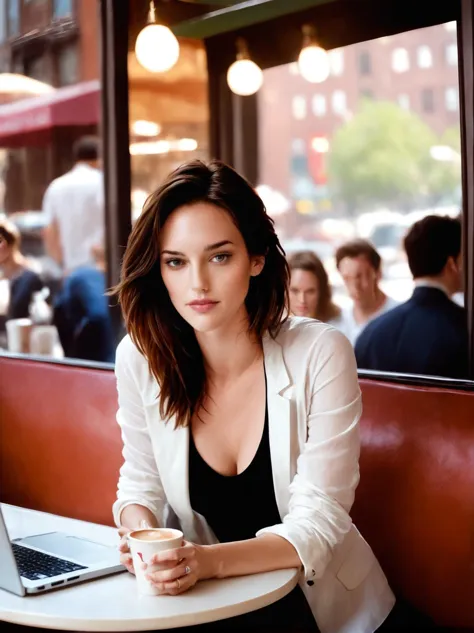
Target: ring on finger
[[179, 583], [187, 570]]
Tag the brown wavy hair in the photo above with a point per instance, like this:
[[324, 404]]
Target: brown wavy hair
[[326, 310], [166, 340]]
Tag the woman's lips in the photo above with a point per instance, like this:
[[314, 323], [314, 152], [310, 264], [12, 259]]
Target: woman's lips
[[203, 306]]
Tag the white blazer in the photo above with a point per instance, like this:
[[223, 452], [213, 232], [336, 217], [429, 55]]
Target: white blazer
[[314, 406]]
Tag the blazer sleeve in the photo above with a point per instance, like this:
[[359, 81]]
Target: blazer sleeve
[[139, 480], [327, 474]]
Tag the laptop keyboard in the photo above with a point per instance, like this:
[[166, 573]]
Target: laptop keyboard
[[35, 565]]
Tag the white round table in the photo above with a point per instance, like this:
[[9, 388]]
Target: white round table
[[112, 604]]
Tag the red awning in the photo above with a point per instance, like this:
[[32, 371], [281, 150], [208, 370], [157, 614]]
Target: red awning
[[70, 106]]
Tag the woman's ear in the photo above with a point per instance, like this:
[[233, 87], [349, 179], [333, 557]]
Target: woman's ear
[[257, 265]]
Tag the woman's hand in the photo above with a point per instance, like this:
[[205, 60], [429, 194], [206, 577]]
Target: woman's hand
[[183, 567], [124, 549]]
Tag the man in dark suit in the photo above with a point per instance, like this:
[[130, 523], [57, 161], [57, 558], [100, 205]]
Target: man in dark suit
[[428, 333]]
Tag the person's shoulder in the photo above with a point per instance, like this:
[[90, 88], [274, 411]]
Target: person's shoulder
[[387, 317], [457, 309], [55, 190], [129, 358], [391, 303], [384, 322], [304, 334], [455, 315], [29, 273], [58, 183]]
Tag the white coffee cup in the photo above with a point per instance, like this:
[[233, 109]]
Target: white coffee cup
[[18, 335], [144, 544], [43, 339]]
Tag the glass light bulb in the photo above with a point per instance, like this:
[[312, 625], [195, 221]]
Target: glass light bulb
[[244, 77], [313, 64], [156, 48]]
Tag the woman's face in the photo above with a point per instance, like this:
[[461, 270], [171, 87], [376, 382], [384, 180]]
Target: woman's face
[[206, 267], [304, 293], [5, 250]]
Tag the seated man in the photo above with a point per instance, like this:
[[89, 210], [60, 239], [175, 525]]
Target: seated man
[[427, 334]]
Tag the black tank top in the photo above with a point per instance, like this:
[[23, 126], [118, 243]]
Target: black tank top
[[236, 507]]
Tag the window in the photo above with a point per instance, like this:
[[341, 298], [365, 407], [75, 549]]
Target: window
[[336, 62], [451, 98], [299, 160], [400, 60], [38, 68], [18, 65], [298, 146], [298, 107], [452, 54], [319, 105], [67, 65], [427, 100], [62, 8], [424, 57], [404, 101], [405, 119], [339, 102], [365, 63], [13, 17], [451, 26]]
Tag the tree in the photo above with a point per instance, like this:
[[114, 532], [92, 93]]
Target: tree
[[382, 157]]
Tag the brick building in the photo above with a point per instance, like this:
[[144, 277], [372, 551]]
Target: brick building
[[56, 42], [417, 69]]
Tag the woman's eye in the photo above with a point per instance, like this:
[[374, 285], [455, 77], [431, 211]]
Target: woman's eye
[[174, 263], [221, 258]]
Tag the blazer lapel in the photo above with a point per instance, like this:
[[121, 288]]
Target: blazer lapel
[[173, 448], [279, 421]]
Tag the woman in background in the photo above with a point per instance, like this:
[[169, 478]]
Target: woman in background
[[23, 281], [310, 291]]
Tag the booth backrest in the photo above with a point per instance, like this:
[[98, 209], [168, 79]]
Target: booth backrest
[[60, 446], [60, 452], [415, 500]]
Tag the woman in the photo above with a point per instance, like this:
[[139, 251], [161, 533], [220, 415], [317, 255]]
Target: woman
[[22, 280], [237, 423], [310, 292]]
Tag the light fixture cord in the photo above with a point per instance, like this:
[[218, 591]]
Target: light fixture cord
[[242, 49], [309, 35], [152, 13]]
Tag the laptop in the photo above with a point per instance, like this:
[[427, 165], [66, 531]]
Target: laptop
[[42, 562]]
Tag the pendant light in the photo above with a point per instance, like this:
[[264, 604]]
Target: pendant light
[[244, 76], [156, 48], [313, 61]]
